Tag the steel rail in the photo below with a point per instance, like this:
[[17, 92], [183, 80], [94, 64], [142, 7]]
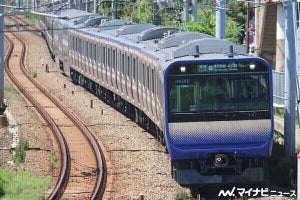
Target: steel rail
[[99, 187], [65, 154]]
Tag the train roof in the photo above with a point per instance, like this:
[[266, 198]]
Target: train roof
[[165, 44]]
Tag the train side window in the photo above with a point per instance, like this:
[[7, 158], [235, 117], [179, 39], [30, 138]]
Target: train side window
[[152, 80], [69, 38], [122, 64], [81, 46], [148, 78], [128, 66], [99, 54], [76, 44], [84, 48], [94, 52], [144, 75], [134, 69], [89, 52], [73, 43], [113, 65], [103, 55], [109, 57], [90, 55]]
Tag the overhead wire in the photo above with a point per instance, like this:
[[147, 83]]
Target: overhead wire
[[211, 6]]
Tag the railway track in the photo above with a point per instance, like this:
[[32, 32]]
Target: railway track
[[82, 168], [21, 24]]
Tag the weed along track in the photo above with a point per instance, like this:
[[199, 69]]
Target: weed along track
[[82, 167]]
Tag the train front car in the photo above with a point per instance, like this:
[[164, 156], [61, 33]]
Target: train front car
[[219, 118]]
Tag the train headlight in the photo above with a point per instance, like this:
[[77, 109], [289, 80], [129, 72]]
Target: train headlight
[[252, 66], [182, 69], [221, 160]]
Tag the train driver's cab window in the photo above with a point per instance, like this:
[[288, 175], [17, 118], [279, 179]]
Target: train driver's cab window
[[218, 93]]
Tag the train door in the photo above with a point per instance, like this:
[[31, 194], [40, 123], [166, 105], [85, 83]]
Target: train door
[[70, 56], [152, 91], [79, 53], [94, 60], [109, 67], [103, 69], [86, 57], [55, 39], [65, 51], [83, 55], [123, 68], [148, 97], [129, 76], [143, 85], [127, 71], [113, 69], [160, 97], [134, 86], [99, 62], [118, 71]]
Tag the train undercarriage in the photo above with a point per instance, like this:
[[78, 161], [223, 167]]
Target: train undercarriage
[[218, 169]]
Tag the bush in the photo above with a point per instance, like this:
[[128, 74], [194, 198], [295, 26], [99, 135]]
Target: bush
[[19, 157], [53, 160], [181, 196], [282, 171], [2, 187]]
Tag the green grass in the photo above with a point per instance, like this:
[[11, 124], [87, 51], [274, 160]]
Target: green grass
[[182, 195], [32, 18], [10, 89], [279, 112], [20, 150], [22, 185]]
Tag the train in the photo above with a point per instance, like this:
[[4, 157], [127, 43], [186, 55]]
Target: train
[[205, 99]]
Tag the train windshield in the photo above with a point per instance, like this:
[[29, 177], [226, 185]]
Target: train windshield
[[214, 91]]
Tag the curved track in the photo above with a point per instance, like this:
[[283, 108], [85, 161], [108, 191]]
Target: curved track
[[83, 169]]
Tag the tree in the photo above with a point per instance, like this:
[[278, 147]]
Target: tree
[[141, 12]]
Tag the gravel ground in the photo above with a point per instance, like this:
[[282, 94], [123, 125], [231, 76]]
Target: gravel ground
[[31, 128]]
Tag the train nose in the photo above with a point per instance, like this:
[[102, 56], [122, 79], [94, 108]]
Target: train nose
[[221, 160]]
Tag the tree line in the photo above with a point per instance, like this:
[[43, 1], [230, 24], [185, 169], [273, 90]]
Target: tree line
[[141, 11]]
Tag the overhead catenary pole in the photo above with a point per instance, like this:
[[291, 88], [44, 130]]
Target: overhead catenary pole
[[87, 5], [2, 56], [194, 10], [95, 6], [247, 28], [115, 9], [185, 10], [290, 81], [221, 19], [155, 13]]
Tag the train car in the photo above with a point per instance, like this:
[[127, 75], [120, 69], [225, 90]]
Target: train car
[[203, 98]]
